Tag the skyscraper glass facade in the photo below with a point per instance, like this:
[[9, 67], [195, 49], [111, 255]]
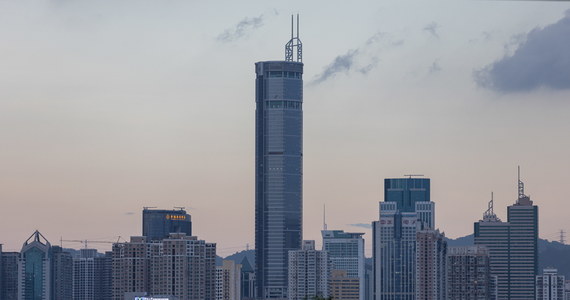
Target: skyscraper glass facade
[[159, 223], [278, 172], [406, 210]]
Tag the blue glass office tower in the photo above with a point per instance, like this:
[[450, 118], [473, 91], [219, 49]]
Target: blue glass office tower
[[158, 224], [278, 169], [406, 210]]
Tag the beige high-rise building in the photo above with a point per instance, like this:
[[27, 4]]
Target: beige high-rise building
[[431, 251], [181, 267], [228, 281], [131, 266], [343, 287]]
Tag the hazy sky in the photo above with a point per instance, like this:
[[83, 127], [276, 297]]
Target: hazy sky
[[109, 106]]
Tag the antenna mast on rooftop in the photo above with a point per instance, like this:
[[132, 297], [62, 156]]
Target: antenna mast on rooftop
[[293, 43]]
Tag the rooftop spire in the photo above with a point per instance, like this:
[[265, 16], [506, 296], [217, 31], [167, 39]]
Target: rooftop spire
[[489, 215], [294, 42], [522, 199]]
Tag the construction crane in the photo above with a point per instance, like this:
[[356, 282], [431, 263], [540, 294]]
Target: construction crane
[[87, 242]]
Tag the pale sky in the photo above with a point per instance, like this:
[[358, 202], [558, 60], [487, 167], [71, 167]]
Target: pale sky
[[109, 106]]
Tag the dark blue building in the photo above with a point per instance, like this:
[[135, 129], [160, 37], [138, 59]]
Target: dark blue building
[[406, 192], [278, 167], [159, 223]]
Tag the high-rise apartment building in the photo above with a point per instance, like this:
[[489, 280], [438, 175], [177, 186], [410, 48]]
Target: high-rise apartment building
[[62, 274], [513, 247], [228, 281], [159, 223], [346, 252], [184, 267], [131, 267], [550, 285], [309, 271], [406, 209], [278, 168], [103, 287], [180, 267], [469, 274], [431, 251], [8, 275]]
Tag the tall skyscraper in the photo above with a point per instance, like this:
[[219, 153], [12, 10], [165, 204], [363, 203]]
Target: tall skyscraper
[[278, 168], [469, 274], [550, 285], [431, 251], [159, 223], [406, 210], [35, 269], [309, 271], [131, 267], [513, 247], [346, 252]]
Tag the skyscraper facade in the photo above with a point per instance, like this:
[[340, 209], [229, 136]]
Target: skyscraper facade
[[346, 252], [469, 274], [309, 271], [513, 247], [406, 210], [278, 169], [62, 274], [159, 223]]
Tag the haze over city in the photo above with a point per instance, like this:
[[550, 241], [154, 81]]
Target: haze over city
[[106, 107]]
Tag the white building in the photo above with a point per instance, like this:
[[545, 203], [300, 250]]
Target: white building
[[309, 271], [550, 285]]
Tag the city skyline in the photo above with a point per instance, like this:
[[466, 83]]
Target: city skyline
[[133, 117]]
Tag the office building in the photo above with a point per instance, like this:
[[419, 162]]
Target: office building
[[247, 280], [343, 287], [406, 209], [309, 271], [346, 252], [159, 223], [512, 247], [431, 251], [278, 168], [550, 285], [228, 281], [35, 269], [9, 275], [469, 274]]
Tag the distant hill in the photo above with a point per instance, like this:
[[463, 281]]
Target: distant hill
[[550, 254]]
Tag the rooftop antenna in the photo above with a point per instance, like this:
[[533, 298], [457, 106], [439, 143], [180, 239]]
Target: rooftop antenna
[[521, 184], [293, 43], [324, 217], [413, 175], [489, 214]]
